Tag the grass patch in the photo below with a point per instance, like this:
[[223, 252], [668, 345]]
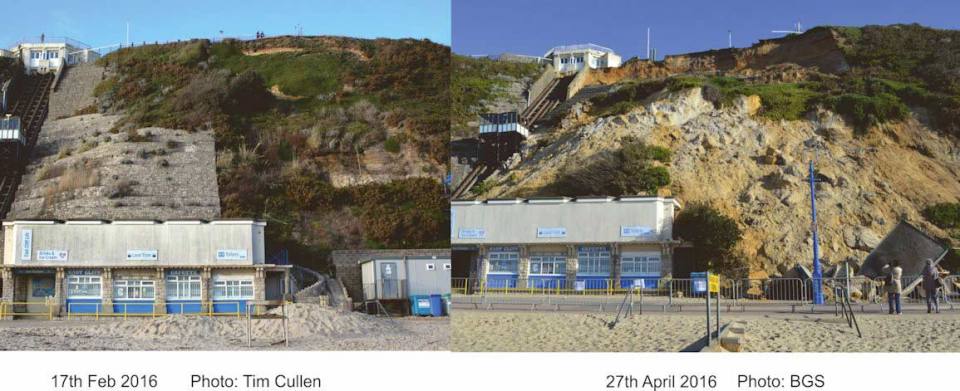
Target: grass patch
[[476, 80], [945, 215], [629, 171], [782, 101], [392, 145], [627, 97]]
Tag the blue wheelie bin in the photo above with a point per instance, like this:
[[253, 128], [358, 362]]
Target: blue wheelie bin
[[421, 305], [436, 305]]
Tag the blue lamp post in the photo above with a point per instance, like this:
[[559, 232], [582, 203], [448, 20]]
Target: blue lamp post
[[817, 272]]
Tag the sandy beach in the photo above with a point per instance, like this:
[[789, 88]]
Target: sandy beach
[[571, 332], [673, 332], [910, 332], [311, 327]]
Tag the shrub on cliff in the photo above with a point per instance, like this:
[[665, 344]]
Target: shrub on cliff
[[628, 171], [945, 215], [713, 236]]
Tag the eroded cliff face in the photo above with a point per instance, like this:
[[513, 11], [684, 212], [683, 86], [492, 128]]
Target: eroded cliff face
[[816, 50], [755, 170]]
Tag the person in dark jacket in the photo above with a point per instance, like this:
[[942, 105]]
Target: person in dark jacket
[[931, 286]]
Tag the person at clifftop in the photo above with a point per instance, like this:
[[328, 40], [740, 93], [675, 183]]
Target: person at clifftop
[[894, 273]]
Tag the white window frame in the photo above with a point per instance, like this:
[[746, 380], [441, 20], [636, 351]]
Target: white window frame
[[640, 263], [497, 258], [593, 262], [135, 285], [36, 54], [233, 288], [538, 261], [83, 279], [175, 284], [52, 54]]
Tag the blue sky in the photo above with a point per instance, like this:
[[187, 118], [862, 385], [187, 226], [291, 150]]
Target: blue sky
[[104, 22], [492, 27]]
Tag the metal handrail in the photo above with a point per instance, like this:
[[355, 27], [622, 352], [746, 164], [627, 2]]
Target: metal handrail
[[208, 305]]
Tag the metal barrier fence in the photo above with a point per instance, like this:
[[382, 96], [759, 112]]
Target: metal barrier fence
[[8, 308], [206, 309], [555, 293], [22, 309]]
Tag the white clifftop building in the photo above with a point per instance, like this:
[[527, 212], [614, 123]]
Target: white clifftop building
[[572, 58], [46, 54]]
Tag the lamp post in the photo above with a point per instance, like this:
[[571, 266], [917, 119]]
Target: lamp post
[[817, 272]]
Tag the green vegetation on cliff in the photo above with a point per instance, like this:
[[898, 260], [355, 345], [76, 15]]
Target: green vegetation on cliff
[[636, 168], [714, 237], [288, 112], [891, 68], [476, 80], [8, 67]]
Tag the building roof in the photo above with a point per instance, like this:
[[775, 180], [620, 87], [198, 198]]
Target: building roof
[[50, 41], [577, 48], [133, 221], [558, 200]]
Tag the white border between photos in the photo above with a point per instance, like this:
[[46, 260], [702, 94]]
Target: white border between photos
[[480, 371]]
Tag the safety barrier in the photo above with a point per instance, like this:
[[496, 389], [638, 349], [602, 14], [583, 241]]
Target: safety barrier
[[206, 309], [9, 308], [558, 292]]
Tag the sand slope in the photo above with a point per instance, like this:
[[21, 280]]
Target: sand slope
[[673, 332], [552, 332], [311, 327]]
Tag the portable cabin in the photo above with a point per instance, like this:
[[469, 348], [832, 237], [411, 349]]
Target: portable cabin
[[398, 279]]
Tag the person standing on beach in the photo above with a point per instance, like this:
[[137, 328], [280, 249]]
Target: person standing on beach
[[894, 285], [931, 285]]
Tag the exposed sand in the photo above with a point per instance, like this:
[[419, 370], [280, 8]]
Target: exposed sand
[[549, 331], [672, 332], [826, 333], [271, 51], [275, 90], [311, 327]]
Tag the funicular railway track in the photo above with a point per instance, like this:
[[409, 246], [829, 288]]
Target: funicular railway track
[[31, 106]]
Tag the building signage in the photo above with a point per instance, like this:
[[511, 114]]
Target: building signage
[[633, 231], [580, 285], [26, 244], [51, 255], [551, 232], [231, 255], [473, 233], [182, 272], [142, 255], [593, 248], [699, 281], [33, 271], [639, 283], [83, 272]]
